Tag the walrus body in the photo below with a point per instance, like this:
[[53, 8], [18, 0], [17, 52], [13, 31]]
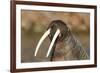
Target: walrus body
[[66, 47]]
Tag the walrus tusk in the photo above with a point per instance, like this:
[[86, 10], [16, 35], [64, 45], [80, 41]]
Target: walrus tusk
[[41, 40], [52, 43]]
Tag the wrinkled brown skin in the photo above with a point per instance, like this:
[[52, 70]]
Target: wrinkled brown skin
[[67, 47]]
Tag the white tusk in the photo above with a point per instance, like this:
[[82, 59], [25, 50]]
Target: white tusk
[[52, 43], [41, 40]]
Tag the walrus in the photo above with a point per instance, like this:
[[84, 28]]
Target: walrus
[[64, 46]]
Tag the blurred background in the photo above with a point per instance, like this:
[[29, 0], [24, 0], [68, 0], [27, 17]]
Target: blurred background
[[35, 23]]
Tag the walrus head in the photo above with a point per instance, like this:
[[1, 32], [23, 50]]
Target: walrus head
[[64, 30]]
